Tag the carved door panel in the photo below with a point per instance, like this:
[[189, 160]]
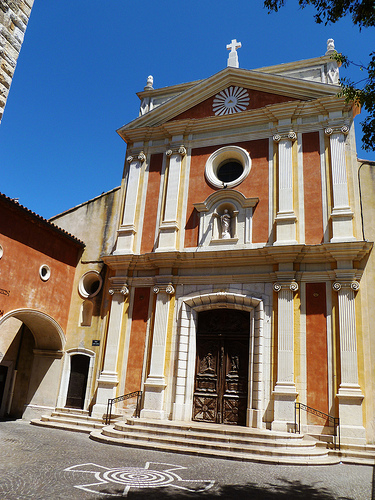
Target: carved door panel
[[221, 380], [236, 380], [206, 381]]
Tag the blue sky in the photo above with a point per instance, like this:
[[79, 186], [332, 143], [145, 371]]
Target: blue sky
[[83, 61]]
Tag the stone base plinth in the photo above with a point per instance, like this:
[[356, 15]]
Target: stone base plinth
[[107, 384], [284, 397], [154, 399], [350, 413]]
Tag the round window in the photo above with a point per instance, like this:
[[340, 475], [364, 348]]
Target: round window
[[90, 284], [44, 272], [229, 171], [228, 166]]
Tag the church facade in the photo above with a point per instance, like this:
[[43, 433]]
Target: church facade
[[229, 276], [237, 268]]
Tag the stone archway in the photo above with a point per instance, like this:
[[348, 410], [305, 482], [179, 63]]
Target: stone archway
[[189, 307], [31, 347]]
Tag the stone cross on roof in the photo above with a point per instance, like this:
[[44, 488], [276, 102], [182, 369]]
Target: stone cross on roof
[[233, 57]]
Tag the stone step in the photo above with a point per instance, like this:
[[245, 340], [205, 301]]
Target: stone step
[[93, 424], [73, 411], [76, 417], [262, 448], [224, 429], [254, 454], [62, 425], [236, 439]]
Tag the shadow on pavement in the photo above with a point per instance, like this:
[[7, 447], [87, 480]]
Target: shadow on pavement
[[289, 490]]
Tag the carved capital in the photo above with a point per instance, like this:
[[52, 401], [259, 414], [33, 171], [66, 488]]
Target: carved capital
[[181, 150], [167, 288], [142, 157], [123, 289], [338, 285], [293, 286], [344, 129], [290, 136], [136, 156]]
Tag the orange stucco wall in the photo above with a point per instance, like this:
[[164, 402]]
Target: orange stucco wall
[[137, 340], [28, 244], [316, 348], [258, 99], [312, 188], [151, 206], [255, 185]]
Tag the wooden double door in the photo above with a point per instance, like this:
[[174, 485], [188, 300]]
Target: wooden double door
[[222, 367]]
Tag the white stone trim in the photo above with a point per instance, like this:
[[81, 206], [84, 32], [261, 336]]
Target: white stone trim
[[82, 285], [39, 322], [271, 180], [227, 153], [323, 171], [127, 229], [188, 308], [65, 377], [301, 190]]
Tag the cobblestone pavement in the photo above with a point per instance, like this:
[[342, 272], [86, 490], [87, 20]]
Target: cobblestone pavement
[[47, 464]]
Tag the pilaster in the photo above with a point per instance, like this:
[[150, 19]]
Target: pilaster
[[342, 215], [169, 226], [285, 393], [154, 387], [285, 217], [108, 379], [127, 230], [349, 394]]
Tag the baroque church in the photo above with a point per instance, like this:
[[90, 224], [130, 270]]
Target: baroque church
[[230, 276]]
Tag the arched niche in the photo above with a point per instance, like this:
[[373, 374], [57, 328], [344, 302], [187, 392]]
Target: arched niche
[[225, 218]]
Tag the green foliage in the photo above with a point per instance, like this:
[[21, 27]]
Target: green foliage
[[362, 12], [363, 15]]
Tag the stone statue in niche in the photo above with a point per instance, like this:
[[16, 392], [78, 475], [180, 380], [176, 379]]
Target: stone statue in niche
[[225, 225]]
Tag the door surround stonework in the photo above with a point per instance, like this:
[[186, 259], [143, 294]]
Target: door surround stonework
[[188, 308]]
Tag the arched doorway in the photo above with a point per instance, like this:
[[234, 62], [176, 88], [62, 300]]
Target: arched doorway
[[79, 370], [31, 344], [222, 366], [259, 381]]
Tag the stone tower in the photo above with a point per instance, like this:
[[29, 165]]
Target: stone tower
[[14, 16]]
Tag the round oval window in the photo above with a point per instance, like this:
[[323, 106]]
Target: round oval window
[[44, 272], [229, 171], [90, 284]]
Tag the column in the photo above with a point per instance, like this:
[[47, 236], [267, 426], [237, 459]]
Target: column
[[285, 217], [127, 230], [109, 379], [285, 393], [154, 387], [169, 227], [349, 395], [342, 224]]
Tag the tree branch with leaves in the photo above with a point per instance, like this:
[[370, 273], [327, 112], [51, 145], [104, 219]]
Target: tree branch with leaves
[[362, 92]]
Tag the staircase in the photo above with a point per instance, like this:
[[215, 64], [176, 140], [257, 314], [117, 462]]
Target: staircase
[[70, 419], [213, 440]]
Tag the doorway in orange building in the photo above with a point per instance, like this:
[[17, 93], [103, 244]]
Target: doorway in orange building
[[222, 366], [77, 381]]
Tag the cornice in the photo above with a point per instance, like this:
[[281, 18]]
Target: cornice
[[268, 255], [258, 119]]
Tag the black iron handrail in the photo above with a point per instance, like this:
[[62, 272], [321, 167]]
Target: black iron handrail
[[318, 413], [108, 415]]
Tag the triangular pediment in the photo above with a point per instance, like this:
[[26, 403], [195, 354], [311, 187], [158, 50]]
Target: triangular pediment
[[261, 89]]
